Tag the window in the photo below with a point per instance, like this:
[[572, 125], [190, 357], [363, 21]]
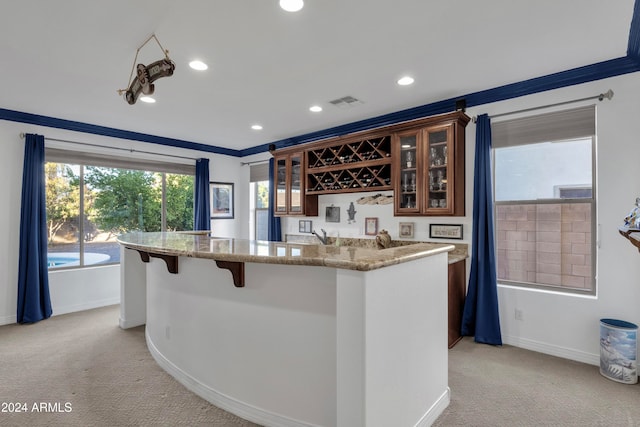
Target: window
[[259, 203], [544, 168], [88, 204]]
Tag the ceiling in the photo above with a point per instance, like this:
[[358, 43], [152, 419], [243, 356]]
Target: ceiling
[[66, 59]]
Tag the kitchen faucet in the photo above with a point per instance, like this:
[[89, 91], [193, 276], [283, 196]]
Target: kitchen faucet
[[323, 239]]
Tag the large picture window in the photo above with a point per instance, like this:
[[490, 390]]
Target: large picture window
[[89, 204], [544, 175]]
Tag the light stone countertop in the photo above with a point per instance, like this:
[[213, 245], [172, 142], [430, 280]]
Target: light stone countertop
[[459, 253], [202, 245]]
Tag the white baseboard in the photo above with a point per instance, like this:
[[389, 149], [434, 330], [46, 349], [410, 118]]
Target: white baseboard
[[553, 350], [131, 323], [85, 306], [436, 409], [8, 320], [241, 409]]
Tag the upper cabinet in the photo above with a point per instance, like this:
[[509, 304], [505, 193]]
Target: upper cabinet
[[429, 167], [421, 160], [291, 198]]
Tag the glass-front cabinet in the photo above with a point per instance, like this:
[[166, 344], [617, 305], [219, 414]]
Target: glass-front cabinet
[[437, 142], [295, 205], [281, 185], [409, 182], [289, 186], [429, 168]]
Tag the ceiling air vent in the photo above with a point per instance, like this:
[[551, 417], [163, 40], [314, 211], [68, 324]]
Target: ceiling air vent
[[345, 101]]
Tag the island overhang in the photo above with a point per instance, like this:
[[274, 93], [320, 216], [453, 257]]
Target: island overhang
[[204, 245]]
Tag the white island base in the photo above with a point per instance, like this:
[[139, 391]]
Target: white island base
[[299, 345]]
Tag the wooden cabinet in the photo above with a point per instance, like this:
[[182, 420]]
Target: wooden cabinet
[[457, 292], [350, 164], [290, 197], [421, 160], [429, 167]]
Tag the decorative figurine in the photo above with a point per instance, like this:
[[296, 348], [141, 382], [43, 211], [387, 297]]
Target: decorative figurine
[[633, 219], [383, 239], [351, 212]]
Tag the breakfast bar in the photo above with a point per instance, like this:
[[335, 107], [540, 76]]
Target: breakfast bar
[[286, 334]]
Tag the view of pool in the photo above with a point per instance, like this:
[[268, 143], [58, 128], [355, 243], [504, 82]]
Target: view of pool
[[69, 259]]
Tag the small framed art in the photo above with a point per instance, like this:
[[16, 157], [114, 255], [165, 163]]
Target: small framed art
[[304, 226], [406, 230], [221, 200], [332, 214], [445, 231], [371, 226]]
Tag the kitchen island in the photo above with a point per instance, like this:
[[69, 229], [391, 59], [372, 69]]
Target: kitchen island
[[294, 335]]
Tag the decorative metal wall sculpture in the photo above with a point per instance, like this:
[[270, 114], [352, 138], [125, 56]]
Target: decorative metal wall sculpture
[[147, 74]]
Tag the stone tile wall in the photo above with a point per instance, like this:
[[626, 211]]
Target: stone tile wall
[[545, 244]]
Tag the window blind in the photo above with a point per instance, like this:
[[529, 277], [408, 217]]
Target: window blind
[[57, 155], [259, 172], [556, 126]]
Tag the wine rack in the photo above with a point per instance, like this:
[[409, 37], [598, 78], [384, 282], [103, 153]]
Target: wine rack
[[360, 165]]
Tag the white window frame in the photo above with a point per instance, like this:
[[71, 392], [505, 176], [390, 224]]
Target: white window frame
[[84, 159], [554, 132]]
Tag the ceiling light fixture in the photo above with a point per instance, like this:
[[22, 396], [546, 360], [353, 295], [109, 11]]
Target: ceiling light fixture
[[256, 127], [291, 5], [315, 108], [406, 80], [147, 99], [198, 65]]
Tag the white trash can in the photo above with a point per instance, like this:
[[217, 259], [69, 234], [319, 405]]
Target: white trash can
[[618, 350]]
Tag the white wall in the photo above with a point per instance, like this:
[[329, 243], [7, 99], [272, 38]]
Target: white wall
[[80, 289], [560, 324], [555, 323], [384, 213], [229, 169], [567, 325]]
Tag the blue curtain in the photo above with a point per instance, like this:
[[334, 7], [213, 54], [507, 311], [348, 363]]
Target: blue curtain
[[275, 231], [202, 210], [34, 303], [480, 317]]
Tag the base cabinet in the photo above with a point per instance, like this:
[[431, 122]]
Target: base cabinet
[[457, 293]]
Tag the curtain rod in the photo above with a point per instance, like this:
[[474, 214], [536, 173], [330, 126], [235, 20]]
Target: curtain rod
[[130, 150], [254, 162], [608, 95]]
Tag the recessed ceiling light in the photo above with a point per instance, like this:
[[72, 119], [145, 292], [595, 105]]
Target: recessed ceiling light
[[198, 65], [406, 80], [291, 5], [315, 108], [256, 127], [147, 99]]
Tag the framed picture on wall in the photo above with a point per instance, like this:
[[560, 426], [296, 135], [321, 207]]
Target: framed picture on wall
[[445, 231], [406, 230], [221, 197], [304, 226], [371, 226], [332, 214]]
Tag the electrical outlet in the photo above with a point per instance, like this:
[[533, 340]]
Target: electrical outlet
[[519, 314]]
